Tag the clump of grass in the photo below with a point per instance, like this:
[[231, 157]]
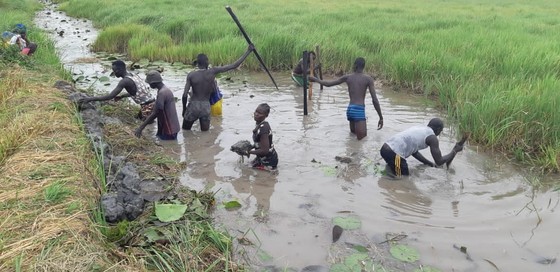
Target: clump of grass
[[56, 192]]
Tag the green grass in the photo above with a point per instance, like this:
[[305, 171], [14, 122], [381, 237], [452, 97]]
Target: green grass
[[56, 192], [494, 65]]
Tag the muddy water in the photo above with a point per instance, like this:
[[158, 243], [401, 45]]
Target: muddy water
[[482, 203]]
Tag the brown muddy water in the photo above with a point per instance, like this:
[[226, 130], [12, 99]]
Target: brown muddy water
[[482, 202]]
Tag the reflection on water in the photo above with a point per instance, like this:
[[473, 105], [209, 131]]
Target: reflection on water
[[481, 203]]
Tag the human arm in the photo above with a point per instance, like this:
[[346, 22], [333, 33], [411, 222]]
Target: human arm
[[113, 94], [149, 119], [375, 102], [417, 155], [337, 81], [236, 64], [433, 143], [185, 96]]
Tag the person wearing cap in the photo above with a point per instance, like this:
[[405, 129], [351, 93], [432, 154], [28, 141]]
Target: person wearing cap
[[135, 87], [408, 142], [164, 110], [358, 83], [202, 83]]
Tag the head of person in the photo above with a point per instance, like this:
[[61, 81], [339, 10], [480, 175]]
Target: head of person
[[119, 68], [359, 64], [32, 48], [20, 29], [436, 125], [261, 112], [312, 55], [153, 78], [202, 61]]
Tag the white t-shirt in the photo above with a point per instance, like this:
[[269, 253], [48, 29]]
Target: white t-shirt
[[408, 142]]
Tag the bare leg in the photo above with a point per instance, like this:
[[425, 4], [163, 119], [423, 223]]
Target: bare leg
[[360, 128], [187, 125], [352, 127], [204, 125]]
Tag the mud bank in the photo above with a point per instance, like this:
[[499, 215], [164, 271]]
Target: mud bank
[[125, 192]]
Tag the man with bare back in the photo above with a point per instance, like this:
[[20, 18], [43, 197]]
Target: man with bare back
[[358, 83], [203, 85]]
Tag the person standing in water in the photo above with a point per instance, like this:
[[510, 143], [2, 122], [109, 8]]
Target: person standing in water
[[267, 158], [164, 110], [358, 83], [135, 88], [408, 142], [202, 82]]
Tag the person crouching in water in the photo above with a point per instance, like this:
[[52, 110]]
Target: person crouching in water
[[267, 158], [164, 110], [409, 142]]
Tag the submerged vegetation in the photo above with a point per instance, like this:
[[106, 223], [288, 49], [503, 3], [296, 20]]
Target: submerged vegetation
[[493, 65]]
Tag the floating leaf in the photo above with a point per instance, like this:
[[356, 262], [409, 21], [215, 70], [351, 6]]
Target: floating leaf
[[232, 205], [427, 269], [329, 171], [169, 212], [152, 235], [263, 256], [348, 223], [104, 79], [80, 78], [404, 253], [360, 248]]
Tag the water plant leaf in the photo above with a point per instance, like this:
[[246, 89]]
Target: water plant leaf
[[427, 269], [263, 256], [347, 223], [198, 208], [357, 262], [329, 171], [169, 212], [230, 205], [80, 78], [104, 79], [152, 235], [404, 253], [360, 248]]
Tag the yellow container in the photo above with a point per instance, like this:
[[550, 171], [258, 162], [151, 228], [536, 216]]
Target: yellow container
[[216, 109]]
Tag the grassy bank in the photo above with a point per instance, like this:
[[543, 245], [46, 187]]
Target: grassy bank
[[51, 181], [493, 65]]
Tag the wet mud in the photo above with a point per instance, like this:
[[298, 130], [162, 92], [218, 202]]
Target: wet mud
[[483, 203]]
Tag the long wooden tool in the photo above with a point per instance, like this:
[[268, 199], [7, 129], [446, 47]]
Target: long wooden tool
[[311, 67], [305, 66], [318, 56], [249, 41], [461, 142]]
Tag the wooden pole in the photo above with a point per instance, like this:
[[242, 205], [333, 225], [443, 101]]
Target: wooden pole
[[249, 42], [318, 55], [311, 68], [305, 66]]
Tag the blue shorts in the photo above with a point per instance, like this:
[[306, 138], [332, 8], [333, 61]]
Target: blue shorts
[[356, 112]]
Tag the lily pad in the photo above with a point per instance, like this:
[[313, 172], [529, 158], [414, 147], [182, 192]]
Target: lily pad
[[329, 171], [354, 263], [104, 79], [405, 253], [169, 212], [347, 223], [232, 205]]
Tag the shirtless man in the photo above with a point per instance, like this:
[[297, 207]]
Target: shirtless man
[[358, 83], [135, 87], [409, 142], [202, 82]]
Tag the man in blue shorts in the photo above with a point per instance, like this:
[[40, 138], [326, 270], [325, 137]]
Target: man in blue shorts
[[358, 83]]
